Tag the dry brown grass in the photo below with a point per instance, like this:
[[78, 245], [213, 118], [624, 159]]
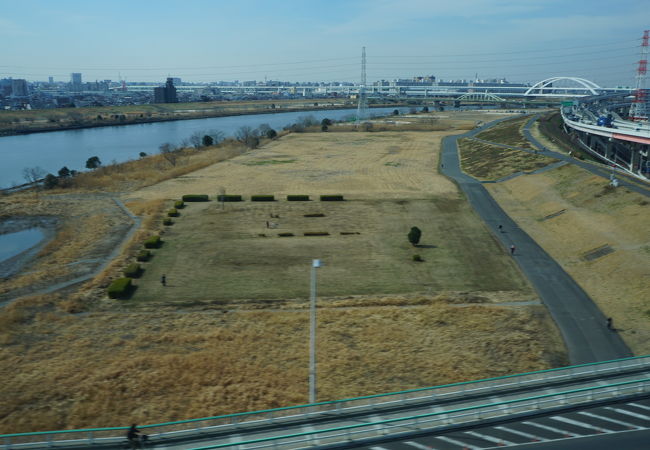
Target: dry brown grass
[[112, 369], [595, 216]]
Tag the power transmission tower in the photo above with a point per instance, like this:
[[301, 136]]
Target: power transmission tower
[[362, 109], [638, 110]]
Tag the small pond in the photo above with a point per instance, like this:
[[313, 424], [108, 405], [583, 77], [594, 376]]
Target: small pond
[[12, 244]]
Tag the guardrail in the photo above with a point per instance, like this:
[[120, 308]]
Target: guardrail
[[178, 429]]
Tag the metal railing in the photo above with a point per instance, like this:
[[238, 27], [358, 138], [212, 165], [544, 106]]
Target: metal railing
[[190, 427]]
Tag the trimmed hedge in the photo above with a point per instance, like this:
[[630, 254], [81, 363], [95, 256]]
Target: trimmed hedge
[[297, 198], [133, 270], [168, 221], [262, 198], [196, 198], [153, 242], [120, 288], [173, 213], [314, 215], [285, 234], [144, 255], [229, 198], [179, 204], [331, 198], [316, 233]]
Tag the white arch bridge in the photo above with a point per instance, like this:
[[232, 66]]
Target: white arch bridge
[[563, 87]]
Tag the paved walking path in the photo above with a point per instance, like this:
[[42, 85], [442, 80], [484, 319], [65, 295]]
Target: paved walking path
[[581, 323]]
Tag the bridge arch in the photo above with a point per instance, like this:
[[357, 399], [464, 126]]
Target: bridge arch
[[547, 84], [481, 96]]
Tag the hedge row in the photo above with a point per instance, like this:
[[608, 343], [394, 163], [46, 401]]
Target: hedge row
[[173, 212], [179, 204], [331, 198], [298, 198], [133, 270], [168, 221], [262, 198], [229, 198], [144, 255], [120, 288], [196, 198]]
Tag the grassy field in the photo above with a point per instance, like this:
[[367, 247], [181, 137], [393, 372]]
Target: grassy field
[[590, 215], [491, 162], [229, 332], [508, 132]]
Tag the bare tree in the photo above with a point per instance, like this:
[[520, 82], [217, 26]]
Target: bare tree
[[247, 136], [196, 139], [33, 174], [216, 135], [169, 153]]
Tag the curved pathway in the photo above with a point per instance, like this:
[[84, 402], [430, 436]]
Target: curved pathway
[[581, 323]]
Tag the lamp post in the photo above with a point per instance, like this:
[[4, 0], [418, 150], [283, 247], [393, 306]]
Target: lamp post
[[315, 264]]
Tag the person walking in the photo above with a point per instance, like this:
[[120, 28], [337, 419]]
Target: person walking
[[500, 228], [163, 280], [512, 249], [610, 325]]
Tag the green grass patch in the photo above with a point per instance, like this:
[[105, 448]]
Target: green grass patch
[[508, 132], [133, 270], [179, 204], [173, 212], [143, 255]]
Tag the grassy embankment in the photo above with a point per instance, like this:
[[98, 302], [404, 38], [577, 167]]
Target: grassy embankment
[[160, 357], [489, 162]]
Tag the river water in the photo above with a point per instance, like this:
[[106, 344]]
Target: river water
[[55, 149]]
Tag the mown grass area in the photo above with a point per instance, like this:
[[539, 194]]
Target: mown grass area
[[508, 132], [551, 126], [490, 162], [221, 256]]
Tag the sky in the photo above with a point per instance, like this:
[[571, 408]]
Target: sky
[[214, 40]]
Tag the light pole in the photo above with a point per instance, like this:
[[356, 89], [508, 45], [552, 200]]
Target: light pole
[[315, 264]]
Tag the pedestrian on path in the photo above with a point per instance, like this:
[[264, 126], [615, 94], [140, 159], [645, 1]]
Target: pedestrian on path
[[163, 280], [500, 228], [610, 326], [512, 249]]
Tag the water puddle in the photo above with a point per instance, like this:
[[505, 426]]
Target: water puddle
[[12, 244]]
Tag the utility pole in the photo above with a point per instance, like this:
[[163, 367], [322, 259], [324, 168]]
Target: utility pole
[[362, 109], [315, 264]]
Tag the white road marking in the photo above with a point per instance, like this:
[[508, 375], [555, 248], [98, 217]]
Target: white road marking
[[547, 428], [581, 424], [418, 445], [629, 413], [378, 448], [521, 433], [488, 438], [454, 441], [608, 419], [640, 406]]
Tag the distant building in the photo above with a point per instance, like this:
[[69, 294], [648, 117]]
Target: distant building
[[50, 80], [166, 93], [177, 81], [19, 88], [75, 82]]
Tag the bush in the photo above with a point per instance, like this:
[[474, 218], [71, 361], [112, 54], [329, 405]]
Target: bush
[[173, 212], [316, 233], [297, 198], [144, 255], [120, 288], [285, 234], [179, 204], [153, 242], [314, 215], [414, 236], [229, 198], [331, 198], [133, 270], [168, 221], [417, 258], [196, 198], [262, 198]]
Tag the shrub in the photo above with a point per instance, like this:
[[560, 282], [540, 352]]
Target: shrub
[[414, 236], [173, 212], [331, 198], [179, 204], [196, 198], [133, 270], [229, 198], [314, 215], [168, 221], [262, 198], [316, 233], [285, 234], [143, 255], [153, 242], [120, 288], [298, 198], [417, 258]]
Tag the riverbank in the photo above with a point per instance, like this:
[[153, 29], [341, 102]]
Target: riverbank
[[14, 123]]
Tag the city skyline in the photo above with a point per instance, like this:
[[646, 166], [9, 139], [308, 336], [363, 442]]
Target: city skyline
[[205, 41]]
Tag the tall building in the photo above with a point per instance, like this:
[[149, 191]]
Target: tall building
[[19, 88], [166, 93], [50, 80], [75, 82]]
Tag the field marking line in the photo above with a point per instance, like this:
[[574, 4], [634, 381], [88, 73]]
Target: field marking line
[[640, 406], [551, 429]]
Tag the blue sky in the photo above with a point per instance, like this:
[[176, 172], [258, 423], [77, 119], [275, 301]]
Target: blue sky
[[201, 40]]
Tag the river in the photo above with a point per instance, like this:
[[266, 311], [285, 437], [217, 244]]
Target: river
[[55, 149]]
